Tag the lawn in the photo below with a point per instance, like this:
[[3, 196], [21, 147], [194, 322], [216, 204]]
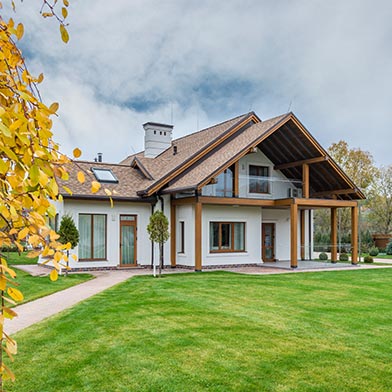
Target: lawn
[[14, 258], [34, 287], [326, 331]]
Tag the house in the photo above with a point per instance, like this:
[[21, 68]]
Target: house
[[241, 192]]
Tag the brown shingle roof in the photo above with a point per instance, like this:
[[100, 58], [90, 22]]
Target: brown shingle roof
[[223, 154]]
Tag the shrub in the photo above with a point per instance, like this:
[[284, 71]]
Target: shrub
[[388, 249], [368, 259], [373, 251], [343, 257], [323, 256]]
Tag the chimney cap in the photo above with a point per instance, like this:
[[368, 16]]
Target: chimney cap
[[155, 124]]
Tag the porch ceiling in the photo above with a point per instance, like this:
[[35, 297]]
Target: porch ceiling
[[290, 144]]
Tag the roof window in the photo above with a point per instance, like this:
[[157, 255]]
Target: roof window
[[104, 175]]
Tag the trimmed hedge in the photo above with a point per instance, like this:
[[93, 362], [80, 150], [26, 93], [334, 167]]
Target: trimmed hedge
[[323, 256]]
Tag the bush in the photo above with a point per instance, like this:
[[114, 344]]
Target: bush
[[368, 259], [323, 256], [388, 249], [373, 251], [343, 257]]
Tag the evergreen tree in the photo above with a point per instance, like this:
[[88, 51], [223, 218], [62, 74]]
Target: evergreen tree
[[68, 233]]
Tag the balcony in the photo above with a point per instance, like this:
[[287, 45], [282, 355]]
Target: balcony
[[254, 187]]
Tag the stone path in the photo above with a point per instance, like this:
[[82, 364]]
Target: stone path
[[40, 309]]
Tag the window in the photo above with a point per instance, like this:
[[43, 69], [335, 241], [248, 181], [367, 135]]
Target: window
[[258, 179], [181, 247], [227, 236], [104, 175], [92, 241], [224, 184]]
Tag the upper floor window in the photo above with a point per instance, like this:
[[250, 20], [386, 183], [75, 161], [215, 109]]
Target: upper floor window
[[224, 184], [259, 179]]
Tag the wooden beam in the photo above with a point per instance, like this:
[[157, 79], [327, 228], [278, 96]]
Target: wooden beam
[[236, 201], [198, 209], [334, 235], [354, 235], [305, 181], [335, 192], [308, 161], [173, 236], [294, 236], [302, 235], [184, 200], [236, 179], [327, 203]]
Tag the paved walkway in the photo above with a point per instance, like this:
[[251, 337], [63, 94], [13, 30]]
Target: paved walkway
[[40, 309]]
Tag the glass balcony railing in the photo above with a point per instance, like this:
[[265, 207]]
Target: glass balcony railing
[[255, 187]]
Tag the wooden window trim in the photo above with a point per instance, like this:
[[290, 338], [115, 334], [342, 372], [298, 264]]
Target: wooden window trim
[[92, 238], [182, 238], [231, 250]]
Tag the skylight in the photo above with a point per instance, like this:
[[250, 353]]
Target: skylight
[[104, 175]]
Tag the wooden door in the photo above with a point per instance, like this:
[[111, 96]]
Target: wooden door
[[128, 239], [268, 242]]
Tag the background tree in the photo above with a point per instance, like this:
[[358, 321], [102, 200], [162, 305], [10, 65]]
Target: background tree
[[68, 234], [380, 202], [158, 230]]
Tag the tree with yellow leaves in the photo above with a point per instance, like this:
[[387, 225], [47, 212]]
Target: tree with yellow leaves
[[30, 162]]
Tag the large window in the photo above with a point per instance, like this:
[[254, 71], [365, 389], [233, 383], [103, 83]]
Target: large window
[[227, 236], [224, 185], [259, 179], [92, 241]]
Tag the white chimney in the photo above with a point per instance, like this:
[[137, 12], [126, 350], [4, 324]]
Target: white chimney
[[157, 138]]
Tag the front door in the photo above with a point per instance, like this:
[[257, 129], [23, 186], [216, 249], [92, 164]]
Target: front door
[[128, 240], [268, 242]]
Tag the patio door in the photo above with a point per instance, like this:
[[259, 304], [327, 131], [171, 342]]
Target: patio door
[[128, 240], [268, 242]]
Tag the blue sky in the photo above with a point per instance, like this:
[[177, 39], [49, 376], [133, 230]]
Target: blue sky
[[201, 62]]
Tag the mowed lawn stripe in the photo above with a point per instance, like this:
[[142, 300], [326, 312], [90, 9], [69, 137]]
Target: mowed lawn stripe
[[218, 331]]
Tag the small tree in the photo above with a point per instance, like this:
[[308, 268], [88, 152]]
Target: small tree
[[68, 234], [158, 230]]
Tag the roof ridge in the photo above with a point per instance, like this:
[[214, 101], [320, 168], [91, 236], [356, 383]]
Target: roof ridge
[[99, 163]]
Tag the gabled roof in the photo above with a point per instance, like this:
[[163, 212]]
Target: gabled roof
[[203, 155]]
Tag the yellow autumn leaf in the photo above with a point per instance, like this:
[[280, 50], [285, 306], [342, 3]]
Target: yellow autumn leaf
[[19, 31], [12, 346], [15, 294], [64, 12], [9, 313], [3, 282], [40, 78], [23, 233], [64, 33], [67, 190], [66, 3], [108, 192], [53, 235], [81, 177], [95, 186], [2, 111], [74, 257], [53, 107], [77, 152], [54, 275]]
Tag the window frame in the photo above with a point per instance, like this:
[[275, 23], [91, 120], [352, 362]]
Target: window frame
[[92, 237], [258, 180], [95, 171], [232, 237], [181, 237]]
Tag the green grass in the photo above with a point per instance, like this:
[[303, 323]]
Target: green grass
[[328, 331], [34, 287], [14, 258]]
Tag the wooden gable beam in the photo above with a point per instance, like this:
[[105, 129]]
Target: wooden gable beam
[[300, 163]]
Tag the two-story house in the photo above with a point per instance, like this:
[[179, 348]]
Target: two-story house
[[241, 192]]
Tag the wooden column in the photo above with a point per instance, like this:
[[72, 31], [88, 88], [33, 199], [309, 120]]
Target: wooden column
[[305, 181], [198, 236], [294, 235], [302, 233], [173, 236], [354, 235], [334, 235], [236, 189]]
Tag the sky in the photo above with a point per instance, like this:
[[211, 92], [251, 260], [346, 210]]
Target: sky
[[196, 63]]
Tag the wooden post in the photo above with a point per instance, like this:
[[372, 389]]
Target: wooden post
[[294, 235], [173, 235], [236, 185], [354, 235], [305, 181], [302, 233], [198, 236], [334, 235]]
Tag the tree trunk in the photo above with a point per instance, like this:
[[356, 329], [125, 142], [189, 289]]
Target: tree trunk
[[160, 258]]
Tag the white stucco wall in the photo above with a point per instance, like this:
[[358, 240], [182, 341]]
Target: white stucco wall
[[185, 214]]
